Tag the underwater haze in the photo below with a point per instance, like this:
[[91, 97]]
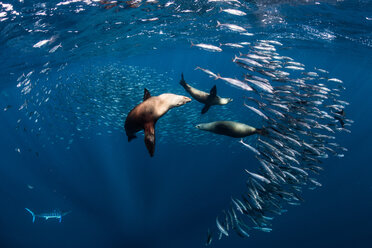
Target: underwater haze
[[297, 71]]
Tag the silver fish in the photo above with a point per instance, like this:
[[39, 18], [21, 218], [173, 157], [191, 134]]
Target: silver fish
[[233, 12], [232, 27], [256, 111], [250, 147], [236, 83], [207, 47], [259, 177], [221, 228]]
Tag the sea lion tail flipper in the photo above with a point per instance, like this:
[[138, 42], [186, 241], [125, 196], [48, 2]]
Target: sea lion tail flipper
[[146, 94], [205, 109], [213, 91], [262, 131], [150, 138], [182, 81]]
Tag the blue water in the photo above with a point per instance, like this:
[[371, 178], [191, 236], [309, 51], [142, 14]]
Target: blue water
[[66, 148]]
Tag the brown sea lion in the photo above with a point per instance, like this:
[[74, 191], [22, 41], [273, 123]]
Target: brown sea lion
[[145, 115], [209, 99]]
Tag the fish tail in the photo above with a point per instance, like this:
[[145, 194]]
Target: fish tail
[[218, 76], [218, 24], [235, 58], [221, 9], [33, 215], [192, 44], [262, 131], [197, 68]]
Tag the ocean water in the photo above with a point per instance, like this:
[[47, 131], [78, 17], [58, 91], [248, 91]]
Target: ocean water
[[70, 71]]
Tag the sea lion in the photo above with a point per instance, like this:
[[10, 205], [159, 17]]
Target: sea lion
[[145, 115], [208, 99], [231, 128]]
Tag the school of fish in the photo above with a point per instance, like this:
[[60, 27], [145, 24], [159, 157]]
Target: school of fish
[[302, 111]]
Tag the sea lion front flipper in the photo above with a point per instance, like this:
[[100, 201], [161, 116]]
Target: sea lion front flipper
[[146, 95], [205, 109], [150, 137], [130, 137], [213, 91]]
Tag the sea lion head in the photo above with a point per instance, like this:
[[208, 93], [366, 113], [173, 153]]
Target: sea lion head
[[226, 100], [177, 100], [203, 126]]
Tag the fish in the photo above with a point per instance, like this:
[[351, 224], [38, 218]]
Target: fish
[[259, 177], [209, 238], [264, 48], [264, 229], [221, 228], [261, 85], [292, 67], [247, 61], [207, 71], [233, 12], [247, 34], [56, 214], [256, 111], [249, 147], [274, 42], [232, 27], [236, 82], [295, 63], [207, 47], [336, 80], [40, 43], [232, 45], [264, 59]]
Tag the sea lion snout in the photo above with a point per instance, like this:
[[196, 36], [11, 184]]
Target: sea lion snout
[[185, 100], [201, 126]]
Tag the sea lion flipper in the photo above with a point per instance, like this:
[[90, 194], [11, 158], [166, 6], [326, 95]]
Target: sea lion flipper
[[182, 81], [342, 123], [205, 109], [150, 137], [146, 95], [130, 137], [213, 91]]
